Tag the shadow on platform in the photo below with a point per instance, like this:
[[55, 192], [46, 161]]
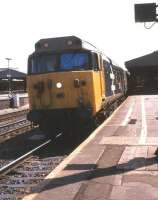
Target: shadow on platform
[[94, 172]]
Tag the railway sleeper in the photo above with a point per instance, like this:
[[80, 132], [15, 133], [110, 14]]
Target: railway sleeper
[[32, 172], [20, 185], [10, 196], [26, 178]]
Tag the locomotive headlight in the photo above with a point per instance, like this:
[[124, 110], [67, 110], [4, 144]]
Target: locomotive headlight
[[59, 85]]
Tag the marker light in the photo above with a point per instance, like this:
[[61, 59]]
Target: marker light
[[45, 45], [69, 42], [59, 85]]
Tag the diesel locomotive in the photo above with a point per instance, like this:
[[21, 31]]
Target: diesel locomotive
[[70, 84]]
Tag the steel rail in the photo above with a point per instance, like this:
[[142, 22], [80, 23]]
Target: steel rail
[[15, 130], [9, 167], [13, 123], [10, 115]]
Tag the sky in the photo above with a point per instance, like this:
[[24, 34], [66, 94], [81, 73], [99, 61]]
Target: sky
[[107, 24]]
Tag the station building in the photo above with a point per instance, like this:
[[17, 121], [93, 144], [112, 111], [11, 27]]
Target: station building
[[143, 74], [12, 80], [12, 87]]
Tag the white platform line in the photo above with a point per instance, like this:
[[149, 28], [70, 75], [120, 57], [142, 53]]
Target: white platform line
[[143, 134], [127, 116]]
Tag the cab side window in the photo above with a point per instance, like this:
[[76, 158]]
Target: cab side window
[[95, 64]]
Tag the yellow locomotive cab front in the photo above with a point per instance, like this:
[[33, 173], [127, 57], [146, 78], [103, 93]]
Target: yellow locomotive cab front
[[65, 90]]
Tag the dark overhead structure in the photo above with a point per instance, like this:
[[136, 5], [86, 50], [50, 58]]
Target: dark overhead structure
[[145, 62], [14, 74], [145, 12], [12, 80], [143, 73]]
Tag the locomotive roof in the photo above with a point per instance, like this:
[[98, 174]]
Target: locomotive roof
[[63, 43]]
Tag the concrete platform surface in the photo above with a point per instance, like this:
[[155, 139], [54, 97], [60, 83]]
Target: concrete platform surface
[[117, 161]]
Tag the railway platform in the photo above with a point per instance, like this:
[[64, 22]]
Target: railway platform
[[116, 162]]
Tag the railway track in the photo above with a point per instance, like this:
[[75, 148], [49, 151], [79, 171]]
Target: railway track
[[14, 128], [20, 176], [12, 115]]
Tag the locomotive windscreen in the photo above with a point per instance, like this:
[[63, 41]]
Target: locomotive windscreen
[[67, 61]]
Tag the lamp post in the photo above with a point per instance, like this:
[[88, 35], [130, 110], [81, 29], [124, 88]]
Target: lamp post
[[9, 75]]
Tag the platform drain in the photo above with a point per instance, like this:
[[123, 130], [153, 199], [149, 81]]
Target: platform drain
[[132, 121]]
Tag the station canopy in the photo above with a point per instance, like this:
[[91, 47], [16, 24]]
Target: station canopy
[[5, 73], [146, 62]]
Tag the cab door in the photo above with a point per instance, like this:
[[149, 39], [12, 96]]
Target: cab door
[[98, 82]]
